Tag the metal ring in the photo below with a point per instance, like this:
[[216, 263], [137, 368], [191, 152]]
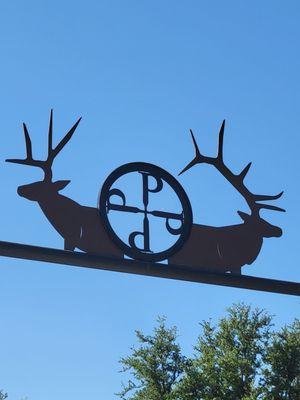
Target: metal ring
[[160, 175]]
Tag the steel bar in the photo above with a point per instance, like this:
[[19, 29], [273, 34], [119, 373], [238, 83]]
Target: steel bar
[[184, 273]]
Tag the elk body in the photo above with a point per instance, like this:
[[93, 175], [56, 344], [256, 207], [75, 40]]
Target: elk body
[[80, 226], [227, 249]]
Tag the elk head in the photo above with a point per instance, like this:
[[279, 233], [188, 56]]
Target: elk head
[[37, 191], [253, 220]]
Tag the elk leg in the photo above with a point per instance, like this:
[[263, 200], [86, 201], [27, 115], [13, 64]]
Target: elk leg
[[69, 245], [72, 241], [237, 271]]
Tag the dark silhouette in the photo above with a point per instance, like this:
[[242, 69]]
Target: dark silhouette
[[228, 248], [80, 226], [153, 180]]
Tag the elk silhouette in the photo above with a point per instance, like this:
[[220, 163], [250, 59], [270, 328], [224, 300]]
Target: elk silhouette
[[228, 248], [80, 226]]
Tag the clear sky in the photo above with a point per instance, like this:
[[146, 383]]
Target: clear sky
[[140, 73]]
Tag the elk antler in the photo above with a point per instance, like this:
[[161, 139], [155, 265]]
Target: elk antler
[[237, 181], [45, 165]]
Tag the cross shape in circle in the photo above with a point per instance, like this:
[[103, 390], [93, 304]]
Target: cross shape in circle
[[159, 176], [162, 214]]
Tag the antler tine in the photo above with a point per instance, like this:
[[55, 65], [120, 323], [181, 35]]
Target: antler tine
[[198, 157], [52, 153], [28, 142], [268, 207], [50, 133], [245, 171], [197, 151], [46, 165], [221, 141], [29, 159], [236, 180], [63, 142], [262, 197]]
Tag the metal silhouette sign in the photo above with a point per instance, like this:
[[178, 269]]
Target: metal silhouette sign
[[224, 249], [189, 247], [79, 226], [228, 248], [161, 179]]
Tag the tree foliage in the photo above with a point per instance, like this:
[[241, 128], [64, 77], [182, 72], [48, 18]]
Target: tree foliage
[[155, 365], [228, 357], [241, 358], [3, 395], [282, 371]]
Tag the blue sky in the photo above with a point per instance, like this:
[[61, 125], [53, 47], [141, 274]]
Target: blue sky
[[140, 74]]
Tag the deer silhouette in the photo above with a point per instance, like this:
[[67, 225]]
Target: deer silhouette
[[228, 248], [80, 226]]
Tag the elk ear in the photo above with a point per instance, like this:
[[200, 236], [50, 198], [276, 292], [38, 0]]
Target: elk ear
[[59, 185], [245, 217]]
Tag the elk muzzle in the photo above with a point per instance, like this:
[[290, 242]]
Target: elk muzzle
[[276, 232], [31, 191], [21, 191], [269, 230]]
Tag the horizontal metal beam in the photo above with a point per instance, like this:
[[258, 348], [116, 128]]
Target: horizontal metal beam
[[184, 273]]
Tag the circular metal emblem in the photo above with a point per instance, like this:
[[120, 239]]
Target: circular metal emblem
[[154, 185]]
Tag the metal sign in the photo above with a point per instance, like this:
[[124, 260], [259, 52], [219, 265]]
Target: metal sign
[[161, 178], [229, 248], [218, 250]]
